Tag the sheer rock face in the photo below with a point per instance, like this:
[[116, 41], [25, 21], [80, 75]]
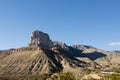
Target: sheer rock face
[[40, 39]]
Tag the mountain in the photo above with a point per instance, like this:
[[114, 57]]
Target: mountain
[[104, 60], [44, 56], [40, 39]]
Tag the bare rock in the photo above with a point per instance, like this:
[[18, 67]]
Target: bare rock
[[40, 39], [60, 45]]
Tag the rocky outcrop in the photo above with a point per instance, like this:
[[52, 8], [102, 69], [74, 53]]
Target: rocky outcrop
[[60, 45], [84, 47], [40, 39]]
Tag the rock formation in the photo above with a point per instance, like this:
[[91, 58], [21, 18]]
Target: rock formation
[[40, 39], [60, 45]]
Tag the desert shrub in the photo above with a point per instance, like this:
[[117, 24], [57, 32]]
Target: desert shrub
[[67, 76], [44, 76], [117, 70], [93, 79], [63, 76], [111, 77], [55, 77], [114, 77]]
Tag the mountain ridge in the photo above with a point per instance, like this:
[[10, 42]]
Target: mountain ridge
[[42, 55]]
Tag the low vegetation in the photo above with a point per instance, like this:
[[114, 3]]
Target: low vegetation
[[56, 76], [64, 76]]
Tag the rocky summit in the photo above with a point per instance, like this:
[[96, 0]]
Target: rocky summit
[[44, 56], [40, 39]]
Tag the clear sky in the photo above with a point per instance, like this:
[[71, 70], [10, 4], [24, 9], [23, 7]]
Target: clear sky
[[87, 22]]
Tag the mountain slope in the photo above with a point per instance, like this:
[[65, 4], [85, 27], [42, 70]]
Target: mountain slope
[[36, 61], [42, 55], [105, 59]]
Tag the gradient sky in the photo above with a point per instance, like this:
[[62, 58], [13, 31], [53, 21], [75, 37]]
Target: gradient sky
[[87, 22]]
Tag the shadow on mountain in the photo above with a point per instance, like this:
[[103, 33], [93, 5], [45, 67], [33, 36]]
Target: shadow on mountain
[[91, 56]]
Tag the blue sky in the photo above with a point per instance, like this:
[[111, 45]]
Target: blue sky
[[87, 22]]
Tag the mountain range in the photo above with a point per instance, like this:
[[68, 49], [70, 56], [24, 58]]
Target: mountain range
[[44, 56]]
